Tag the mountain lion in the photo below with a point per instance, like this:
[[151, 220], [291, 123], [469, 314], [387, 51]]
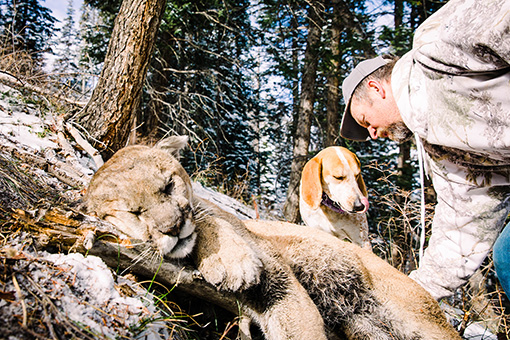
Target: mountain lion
[[293, 281]]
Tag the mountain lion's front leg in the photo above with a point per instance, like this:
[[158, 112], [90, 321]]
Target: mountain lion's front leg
[[224, 258]]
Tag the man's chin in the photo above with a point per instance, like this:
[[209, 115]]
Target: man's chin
[[399, 132]]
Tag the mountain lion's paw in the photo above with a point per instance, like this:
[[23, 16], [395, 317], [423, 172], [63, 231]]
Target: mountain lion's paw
[[231, 269]]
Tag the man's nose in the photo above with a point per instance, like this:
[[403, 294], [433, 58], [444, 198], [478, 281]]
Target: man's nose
[[372, 131]]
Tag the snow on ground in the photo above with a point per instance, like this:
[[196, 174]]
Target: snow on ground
[[87, 298], [23, 122], [81, 293]]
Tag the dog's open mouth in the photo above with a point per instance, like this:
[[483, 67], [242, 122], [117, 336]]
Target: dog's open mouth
[[328, 202]]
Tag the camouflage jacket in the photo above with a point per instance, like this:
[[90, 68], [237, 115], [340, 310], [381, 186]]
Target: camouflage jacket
[[453, 91]]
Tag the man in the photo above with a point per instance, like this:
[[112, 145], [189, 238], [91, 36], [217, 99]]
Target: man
[[452, 92]]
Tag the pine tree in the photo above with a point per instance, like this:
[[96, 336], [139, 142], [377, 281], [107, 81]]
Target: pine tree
[[66, 64], [282, 45], [96, 25], [90, 61], [306, 109], [283, 24], [199, 85], [27, 25]]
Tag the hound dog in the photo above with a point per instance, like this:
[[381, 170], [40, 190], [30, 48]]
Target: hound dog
[[333, 195]]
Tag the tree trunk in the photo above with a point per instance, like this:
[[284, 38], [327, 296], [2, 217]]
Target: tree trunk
[[295, 80], [307, 100], [404, 168], [332, 104], [398, 13], [110, 113], [150, 120]]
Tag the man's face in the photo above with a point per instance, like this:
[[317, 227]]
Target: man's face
[[380, 115]]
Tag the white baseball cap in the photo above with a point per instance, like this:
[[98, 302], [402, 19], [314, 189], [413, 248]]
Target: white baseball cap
[[349, 128]]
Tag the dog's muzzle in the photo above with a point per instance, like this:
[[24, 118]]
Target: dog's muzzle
[[360, 206]]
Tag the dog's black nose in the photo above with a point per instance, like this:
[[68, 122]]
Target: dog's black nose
[[359, 206]]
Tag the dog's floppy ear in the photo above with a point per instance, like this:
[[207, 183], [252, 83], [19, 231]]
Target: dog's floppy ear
[[311, 185], [361, 185], [359, 179]]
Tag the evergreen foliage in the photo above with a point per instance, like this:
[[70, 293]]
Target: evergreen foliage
[[66, 64], [227, 73], [200, 85], [96, 26], [27, 26]]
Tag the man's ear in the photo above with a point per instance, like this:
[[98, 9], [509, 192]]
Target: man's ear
[[377, 87], [311, 185]]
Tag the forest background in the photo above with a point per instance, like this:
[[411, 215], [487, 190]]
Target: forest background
[[255, 84]]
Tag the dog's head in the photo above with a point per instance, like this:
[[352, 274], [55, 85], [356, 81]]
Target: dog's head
[[333, 177]]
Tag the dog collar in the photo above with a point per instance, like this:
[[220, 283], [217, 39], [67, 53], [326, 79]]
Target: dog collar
[[328, 202]]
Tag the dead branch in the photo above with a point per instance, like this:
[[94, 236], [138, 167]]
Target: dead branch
[[73, 176], [12, 81], [94, 154]]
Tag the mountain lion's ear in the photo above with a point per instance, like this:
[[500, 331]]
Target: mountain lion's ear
[[173, 144]]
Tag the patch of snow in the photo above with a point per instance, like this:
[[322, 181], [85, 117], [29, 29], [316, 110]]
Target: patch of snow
[[227, 203], [24, 123], [85, 292], [95, 282], [476, 331]]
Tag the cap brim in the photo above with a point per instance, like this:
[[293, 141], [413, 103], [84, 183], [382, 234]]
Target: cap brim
[[350, 129]]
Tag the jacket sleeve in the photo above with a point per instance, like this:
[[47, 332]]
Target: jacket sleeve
[[471, 211], [465, 36]]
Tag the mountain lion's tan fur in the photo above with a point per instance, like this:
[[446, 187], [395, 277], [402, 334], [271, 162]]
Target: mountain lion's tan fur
[[294, 281]]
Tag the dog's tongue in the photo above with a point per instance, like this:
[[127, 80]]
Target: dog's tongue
[[364, 201]]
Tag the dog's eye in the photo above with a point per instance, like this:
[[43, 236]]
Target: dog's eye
[[168, 187], [138, 211], [340, 178]]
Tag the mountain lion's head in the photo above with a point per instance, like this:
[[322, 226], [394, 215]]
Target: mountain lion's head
[[146, 194]]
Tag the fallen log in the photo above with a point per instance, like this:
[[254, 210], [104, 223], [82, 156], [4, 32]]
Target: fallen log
[[67, 230]]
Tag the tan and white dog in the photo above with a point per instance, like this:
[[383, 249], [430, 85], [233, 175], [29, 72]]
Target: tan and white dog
[[333, 195]]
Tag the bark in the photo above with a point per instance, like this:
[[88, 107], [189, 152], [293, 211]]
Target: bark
[[343, 19], [350, 22], [332, 104], [403, 165], [151, 118], [398, 13], [295, 78], [307, 100], [404, 168], [111, 111]]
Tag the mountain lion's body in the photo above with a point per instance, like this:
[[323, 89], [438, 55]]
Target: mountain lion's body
[[291, 280]]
